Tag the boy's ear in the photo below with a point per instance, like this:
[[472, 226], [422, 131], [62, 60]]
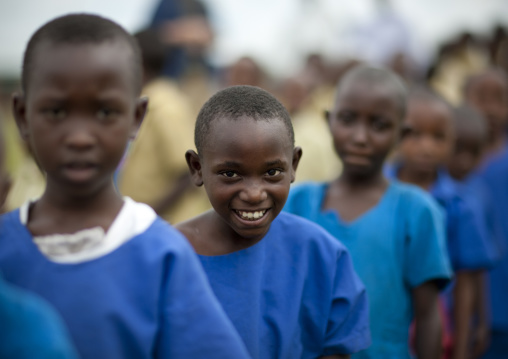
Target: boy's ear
[[297, 155], [194, 164], [139, 115], [19, 112]]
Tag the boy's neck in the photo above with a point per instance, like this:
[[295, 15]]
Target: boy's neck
[[361, 183], [422, 179], [59, 212]]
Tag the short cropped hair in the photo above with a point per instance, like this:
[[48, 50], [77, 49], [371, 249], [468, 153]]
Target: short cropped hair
[[238, 101], [80, 29], [376, 76]]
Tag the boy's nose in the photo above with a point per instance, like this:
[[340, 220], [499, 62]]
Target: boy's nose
[[360, 133], [79, 137], [253, 193]]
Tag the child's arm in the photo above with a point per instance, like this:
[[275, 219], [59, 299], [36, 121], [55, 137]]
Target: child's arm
[[428, 327], [481, 331], [463, 299]]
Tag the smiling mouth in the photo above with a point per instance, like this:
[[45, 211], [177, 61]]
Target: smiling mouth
[[251, 215]]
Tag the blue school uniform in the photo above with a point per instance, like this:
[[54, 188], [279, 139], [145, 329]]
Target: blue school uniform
[[494, 173], [397, 245], [30, 328], [148, 298], [294, 294], [469, 246]]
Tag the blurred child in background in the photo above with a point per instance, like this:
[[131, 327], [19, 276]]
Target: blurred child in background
[[424, 151], [395, 232], [488, 92], [155, 171]]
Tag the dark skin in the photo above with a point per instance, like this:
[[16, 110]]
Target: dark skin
[[424, 150], [365, 124], [467, 155], [250, 172], [79, 111], [488, 93]]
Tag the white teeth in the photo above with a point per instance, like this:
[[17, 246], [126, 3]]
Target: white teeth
[[251, 215]]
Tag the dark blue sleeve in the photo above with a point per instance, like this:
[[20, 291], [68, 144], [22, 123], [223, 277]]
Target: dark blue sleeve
[[194, 325], [468, 237]]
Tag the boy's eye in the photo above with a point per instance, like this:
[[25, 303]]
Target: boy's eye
[[229, 174], [273, 172], [346, 117], [105, 113], [55, 113], [379, 124]]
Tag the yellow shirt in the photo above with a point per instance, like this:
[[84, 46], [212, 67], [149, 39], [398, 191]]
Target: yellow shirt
[[156, 158]]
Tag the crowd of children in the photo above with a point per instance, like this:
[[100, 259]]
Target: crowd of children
[[394, 245]]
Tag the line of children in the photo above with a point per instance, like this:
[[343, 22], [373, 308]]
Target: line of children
[[488, 92], [471, 139], [126, 283], [395, 232], [287, 285], [422, 156]]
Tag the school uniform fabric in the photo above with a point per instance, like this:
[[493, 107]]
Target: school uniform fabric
[[30, 328], [148, 298], [494, 174], [469, 246], [397, 245], [294, 294]]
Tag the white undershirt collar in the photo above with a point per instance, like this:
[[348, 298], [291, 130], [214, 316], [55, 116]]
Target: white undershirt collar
[[133, 219]]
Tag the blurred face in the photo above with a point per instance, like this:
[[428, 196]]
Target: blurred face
[[246, 167], [489, 95], [466, 155], [79, 112], [365, 126], [429, 139]]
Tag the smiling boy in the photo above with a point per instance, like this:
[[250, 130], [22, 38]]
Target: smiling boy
[[288, 287]]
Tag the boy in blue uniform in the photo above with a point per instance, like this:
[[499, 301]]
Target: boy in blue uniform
[[488, 92], [423, 154], [287, 285], [126, 284], [395, 232], [471, 140]]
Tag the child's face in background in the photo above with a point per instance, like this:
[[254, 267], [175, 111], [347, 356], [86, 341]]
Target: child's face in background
[[429, 136], [466, 154], [489, 94], [365, 125], [247, 167], [79, 112]]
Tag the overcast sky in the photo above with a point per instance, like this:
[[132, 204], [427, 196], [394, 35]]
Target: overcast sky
[[276, 32]]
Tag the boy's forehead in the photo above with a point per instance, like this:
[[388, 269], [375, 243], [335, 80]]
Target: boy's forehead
[[52, 59], [360, 89], [246, 125]]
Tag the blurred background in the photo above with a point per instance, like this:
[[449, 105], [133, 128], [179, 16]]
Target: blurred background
[[296, 49]]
